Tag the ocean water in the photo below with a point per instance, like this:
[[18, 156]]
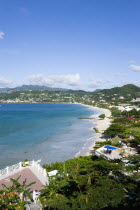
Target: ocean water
[[50, 132]]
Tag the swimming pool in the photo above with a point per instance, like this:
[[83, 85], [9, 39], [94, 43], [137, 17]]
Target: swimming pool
[[109, 147]]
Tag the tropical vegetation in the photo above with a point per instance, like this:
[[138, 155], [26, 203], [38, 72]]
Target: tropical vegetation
[[90, 183], [13, 197]]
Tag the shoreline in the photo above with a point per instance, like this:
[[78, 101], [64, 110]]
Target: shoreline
[[101, 125]]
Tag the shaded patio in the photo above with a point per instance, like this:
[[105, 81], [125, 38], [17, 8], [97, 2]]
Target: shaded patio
[[109, 152]]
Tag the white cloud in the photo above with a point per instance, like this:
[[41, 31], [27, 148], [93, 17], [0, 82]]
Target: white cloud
[[134, 67], [5, 82], [2, 35], [55, 80]]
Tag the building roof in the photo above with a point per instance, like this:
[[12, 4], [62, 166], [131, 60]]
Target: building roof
[[124, 104], [126, 139], [131, 118], [25, 174]]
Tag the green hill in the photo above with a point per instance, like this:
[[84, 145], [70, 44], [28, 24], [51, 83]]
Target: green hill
[[131, 89]]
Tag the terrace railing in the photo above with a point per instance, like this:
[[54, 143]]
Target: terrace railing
[[12, 169]]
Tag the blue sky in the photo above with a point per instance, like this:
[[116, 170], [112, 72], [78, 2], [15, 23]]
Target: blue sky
[[77, 44]]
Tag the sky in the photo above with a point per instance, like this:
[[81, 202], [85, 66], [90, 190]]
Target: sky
[[76, 44]]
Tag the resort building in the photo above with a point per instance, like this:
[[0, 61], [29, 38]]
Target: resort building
[[32, 172]]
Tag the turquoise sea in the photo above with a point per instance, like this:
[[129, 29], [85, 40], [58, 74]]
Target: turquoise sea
[[50, 132]]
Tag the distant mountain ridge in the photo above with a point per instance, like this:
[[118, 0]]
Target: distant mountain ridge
[[126, 89], [97, 90], [40, 87], [33, 87]]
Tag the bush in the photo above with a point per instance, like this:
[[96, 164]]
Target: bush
[[96, 130], [102, 116]]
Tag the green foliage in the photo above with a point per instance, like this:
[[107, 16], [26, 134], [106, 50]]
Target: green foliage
[[99, 144], [102, 116], [88, 185], [96, 130], [134, 159], [136, 124], [122, 121], [72, 164], [132, 113], [115, 112], [123, 91], [115, 129], [134, 131], [13, 197], [92, 183], [135, 142], [25, 162]]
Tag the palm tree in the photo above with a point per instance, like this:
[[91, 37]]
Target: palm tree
[[13, 197], [23, 188]]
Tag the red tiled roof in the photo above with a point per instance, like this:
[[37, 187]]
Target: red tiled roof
[[131, 118], [127, 139]]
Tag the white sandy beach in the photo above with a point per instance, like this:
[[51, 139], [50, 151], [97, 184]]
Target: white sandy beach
[[102, 125]]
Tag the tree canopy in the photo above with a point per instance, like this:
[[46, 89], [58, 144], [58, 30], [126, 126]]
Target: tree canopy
[[102, 116], [115, 129], [88, 183]]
